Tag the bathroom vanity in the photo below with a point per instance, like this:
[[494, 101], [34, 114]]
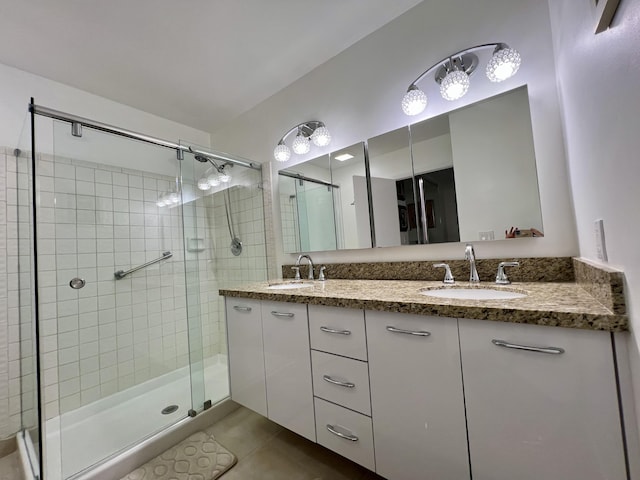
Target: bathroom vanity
[[412, 386]]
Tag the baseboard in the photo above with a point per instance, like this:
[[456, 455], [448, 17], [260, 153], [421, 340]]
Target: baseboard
[[125, 463]]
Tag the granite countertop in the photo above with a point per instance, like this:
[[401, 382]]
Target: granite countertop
[[561, 304]]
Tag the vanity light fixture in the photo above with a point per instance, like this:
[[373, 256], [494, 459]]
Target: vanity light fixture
[[453, 72], [307, 132]]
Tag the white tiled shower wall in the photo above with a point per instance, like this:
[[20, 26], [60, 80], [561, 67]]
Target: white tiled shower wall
[[110, 335], [11, 333]]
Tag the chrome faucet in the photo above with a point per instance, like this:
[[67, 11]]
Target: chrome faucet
[[470, 254], [310, 277]]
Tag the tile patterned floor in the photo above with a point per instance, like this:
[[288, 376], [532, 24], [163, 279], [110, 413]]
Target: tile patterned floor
[[267, 451]]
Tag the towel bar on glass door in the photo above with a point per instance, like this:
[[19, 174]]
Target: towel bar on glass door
[[120, 274]]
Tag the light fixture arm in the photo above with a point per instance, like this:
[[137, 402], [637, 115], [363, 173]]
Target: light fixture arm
[[449, 60], [305, 128]]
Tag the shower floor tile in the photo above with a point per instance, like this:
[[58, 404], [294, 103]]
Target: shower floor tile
[[266, 451]]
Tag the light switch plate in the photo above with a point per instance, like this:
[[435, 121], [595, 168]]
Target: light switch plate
[[601, 247]]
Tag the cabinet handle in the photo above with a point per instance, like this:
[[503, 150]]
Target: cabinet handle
[[551, 350], [327, 378], [417, 333], [346, 436], [282, 314], [241, 309], [333, 330]]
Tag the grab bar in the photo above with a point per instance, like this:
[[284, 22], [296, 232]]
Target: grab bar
[[120, 274]]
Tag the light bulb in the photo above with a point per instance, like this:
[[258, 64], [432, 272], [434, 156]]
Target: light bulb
[[454, 85], [282, 153], [174, 198], [203, 184], [414, 101], [224, 177], [504, 64], [213, 179], [321, 137], [160, 202], [301, 144]]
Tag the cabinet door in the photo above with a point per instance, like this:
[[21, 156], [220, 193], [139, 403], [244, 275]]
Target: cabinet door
[[417, 403], [246, 359], [287, 360], [535, 415]]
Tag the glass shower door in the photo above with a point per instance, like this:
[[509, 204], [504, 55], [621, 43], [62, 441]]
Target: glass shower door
[[115, 337], [225, 246]]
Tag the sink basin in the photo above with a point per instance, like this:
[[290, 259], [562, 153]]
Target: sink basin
[[289, 286], [480, 293]]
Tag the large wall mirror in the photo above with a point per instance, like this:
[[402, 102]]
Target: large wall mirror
[[324, 203], [467, 175]]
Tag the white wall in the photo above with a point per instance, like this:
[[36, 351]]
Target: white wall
[[599, 79], [358, 92], [17, 87]]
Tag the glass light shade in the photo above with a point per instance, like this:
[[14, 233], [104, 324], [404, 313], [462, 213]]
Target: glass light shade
[[281, 153], [213, 179], [224, 177], [504, 64], [454, 85], [301, 145], [414, 102], [321, 137], [203, 184]]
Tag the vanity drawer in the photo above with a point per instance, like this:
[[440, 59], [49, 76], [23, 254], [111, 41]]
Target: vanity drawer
[[338, 330], [357, 428], [341, 380]]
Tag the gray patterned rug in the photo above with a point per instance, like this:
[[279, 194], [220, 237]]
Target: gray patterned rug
[[199, 457]]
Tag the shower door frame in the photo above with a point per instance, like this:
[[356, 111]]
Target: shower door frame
[[78, 122]]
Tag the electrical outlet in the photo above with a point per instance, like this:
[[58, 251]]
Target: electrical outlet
[[601, 246], [486, 235]]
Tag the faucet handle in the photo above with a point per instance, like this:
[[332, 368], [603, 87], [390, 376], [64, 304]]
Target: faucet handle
[[321, 276], [501, 276], [297, 269], [448, 278]]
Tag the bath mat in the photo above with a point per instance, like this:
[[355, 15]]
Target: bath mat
[[199, 457]]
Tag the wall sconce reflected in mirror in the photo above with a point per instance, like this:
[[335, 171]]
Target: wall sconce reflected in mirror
[[314, 130], [453, 72]]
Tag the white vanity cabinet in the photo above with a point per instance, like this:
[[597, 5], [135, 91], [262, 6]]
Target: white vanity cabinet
[[270, 362], [416, 397], [540, 413], [287, 365], [246, 353]]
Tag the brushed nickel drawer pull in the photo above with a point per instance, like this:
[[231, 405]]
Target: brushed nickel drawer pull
[[283, 314], [333, 330], [241, 309], [551, 350], [327, 378], [417, 333], [346, 436]]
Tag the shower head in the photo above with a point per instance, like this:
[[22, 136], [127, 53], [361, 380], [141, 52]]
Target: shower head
[[201, 158]]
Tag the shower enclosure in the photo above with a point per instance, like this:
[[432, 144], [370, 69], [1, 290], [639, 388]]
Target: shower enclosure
[[128, 239]]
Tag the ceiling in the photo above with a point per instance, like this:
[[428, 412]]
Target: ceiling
[[197, 62]]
